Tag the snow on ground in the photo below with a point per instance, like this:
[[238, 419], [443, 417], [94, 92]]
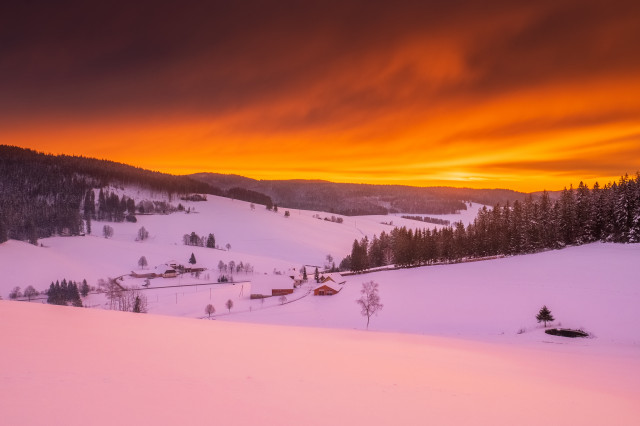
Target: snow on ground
[[593, 286], [265, 239], [73, 366], [454, 344]]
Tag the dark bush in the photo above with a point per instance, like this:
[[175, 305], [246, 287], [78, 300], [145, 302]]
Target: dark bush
[[567, 332]]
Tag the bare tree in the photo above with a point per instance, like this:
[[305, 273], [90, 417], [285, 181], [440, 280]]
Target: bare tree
[[142, 262], [370, 300], [107, 231], [209, 309], [15, 293], [228, 246], [30, 292], [143, 234], [282, 299], [112, 290], [229, 305]]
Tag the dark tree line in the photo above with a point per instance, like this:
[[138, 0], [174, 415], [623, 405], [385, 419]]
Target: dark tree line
[[196, 240], [64, 293], [610, 214], [250, 196], [43, 195]]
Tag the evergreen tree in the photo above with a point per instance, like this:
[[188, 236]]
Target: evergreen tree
[[544, 315], [211, 241], [3, 230], [84, 289], [304, 274], [192, 259], [316, 275]]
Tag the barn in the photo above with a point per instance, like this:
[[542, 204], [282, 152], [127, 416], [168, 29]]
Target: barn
[[328, 288], [270, 285]]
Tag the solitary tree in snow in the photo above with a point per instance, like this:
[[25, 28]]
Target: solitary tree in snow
[[209, 309], [30, 292], [370, 300], [316, 276], [229, 304], [143, 234], [107, 231], [15, 293], [192, 259], [544, 315], [304, 274], [142, 262], [228, 246], [282, 299]]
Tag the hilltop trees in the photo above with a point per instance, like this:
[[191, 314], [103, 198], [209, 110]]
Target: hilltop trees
[[610, 214]]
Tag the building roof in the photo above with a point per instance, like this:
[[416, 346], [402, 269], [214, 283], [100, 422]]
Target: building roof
[[264, 284], [333, 286], [333, 276]]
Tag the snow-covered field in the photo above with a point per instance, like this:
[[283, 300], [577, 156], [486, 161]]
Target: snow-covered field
[[454, 344]]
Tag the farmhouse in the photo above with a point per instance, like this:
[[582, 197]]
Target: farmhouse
[[329, 288], [271, 285], [169, 273], [333, 277]]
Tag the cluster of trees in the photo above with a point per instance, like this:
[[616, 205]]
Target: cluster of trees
[[228, 269], [250, 196], [29, 292], [428, 219], [43, 195], [64, 293], [610, 213], [157, 207], [334, 219], [111, 208], [123, 299], [196, 240], [233, 267]]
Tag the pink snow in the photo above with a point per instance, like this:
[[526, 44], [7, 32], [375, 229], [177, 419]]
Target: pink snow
[[72, 366]]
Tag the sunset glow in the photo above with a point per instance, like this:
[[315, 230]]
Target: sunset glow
[[500, 94]]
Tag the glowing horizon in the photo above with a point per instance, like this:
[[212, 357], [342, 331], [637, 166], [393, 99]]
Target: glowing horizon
[[518, 96]]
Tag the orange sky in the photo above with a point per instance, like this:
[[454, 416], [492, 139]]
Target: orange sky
[[467, 93]]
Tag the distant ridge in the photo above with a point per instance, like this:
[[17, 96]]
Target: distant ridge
[[363, 199]]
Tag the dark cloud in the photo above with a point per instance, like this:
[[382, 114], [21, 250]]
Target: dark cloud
[[88, 58]]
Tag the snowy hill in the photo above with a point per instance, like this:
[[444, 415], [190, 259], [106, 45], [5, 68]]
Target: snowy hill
[[83, 366], [449, 347]]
